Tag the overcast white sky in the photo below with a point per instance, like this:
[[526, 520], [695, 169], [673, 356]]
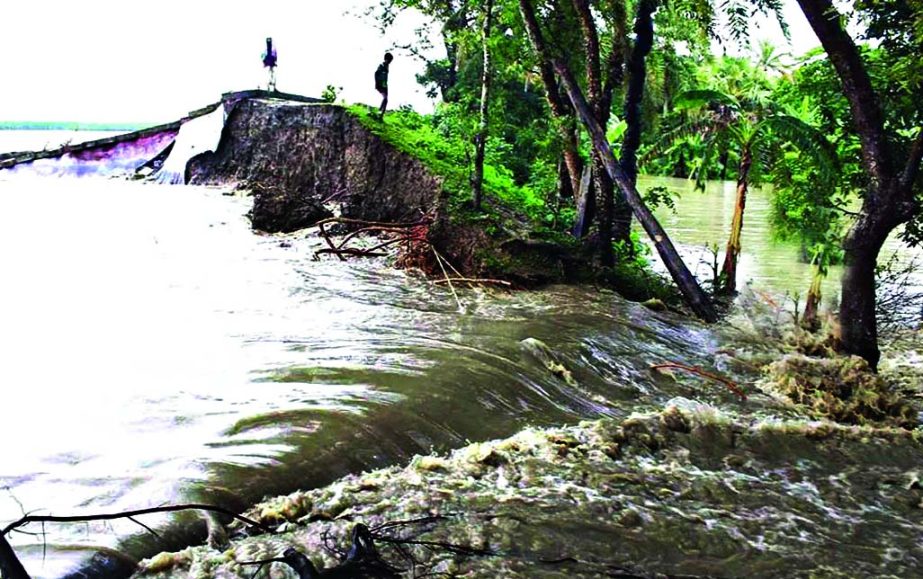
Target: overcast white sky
[[122, 61]]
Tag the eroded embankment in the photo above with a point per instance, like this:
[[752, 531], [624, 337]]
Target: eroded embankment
[[690, 490], [296, 157], [306, 162]]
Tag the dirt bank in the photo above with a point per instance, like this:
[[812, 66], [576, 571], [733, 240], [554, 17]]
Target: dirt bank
[[297, 156], [305, 162]]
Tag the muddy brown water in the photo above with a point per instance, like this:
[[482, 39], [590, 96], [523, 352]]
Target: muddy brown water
[[155, 351]]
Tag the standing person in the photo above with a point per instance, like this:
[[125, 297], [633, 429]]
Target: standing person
[[381, 83], [269, 61]]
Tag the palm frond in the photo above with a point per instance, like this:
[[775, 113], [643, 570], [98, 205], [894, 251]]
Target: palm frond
[[737, 16], [691, 99], [806, 139], [673, 136]]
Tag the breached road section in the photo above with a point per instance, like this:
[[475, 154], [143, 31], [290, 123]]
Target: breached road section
[[303, 160], [196, 136], [294, 153], [126, 153], [117, 155]]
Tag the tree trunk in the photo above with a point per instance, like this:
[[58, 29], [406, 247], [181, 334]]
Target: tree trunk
[[604, 202], [598, 104], [572, 160], [637, 73], [812, 303], [10, 566], [692, 292], [477, 180], [586, 204], [858, 323], [889, 200], [732, 253], [563, 116]]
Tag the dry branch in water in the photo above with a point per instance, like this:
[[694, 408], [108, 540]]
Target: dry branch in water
[[474, 280], [731, 385], [412, 232], [129, 514], [11, 567]]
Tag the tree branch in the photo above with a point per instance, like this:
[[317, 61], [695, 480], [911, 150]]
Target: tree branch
[[129, 514], [731, 385], [825, 19], [912, 168], [556, 101]]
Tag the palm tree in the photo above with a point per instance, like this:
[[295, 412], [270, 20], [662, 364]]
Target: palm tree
[[770, 60], [756, 132]]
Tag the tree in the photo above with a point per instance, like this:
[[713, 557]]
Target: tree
[[726, 122], [602, 83], [454, 18], [477, 180], [561, 110], [688, 286], [891, 161]]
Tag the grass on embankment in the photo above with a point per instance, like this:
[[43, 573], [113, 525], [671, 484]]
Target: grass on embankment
[[449, 156]]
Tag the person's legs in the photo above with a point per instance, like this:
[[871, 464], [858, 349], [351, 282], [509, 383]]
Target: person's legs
[[384, 102]]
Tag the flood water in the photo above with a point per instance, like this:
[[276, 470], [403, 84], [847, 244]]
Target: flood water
[[155, 350], [703, 219]]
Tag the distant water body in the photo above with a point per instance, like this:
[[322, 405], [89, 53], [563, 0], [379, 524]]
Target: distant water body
[[12, 141]]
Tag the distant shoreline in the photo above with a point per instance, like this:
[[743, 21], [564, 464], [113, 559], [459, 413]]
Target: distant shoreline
[[69, 126]]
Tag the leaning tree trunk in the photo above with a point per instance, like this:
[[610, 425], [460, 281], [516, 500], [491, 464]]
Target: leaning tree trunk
[[477, 180], [563, 118], [585, 204], [732, 253], [688, 286]]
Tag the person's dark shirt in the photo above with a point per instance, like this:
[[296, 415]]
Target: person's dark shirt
[[381, 76]]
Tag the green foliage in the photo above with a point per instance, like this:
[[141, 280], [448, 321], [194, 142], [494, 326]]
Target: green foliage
[[632, 275], [660, 196], [437, 140], [693, 99], [701, 112], [329, 94], [812, 200]]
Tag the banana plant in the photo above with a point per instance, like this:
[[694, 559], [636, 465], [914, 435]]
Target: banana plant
[[758, 132]]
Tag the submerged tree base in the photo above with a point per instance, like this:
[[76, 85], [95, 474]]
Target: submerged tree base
[[690, 490]]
